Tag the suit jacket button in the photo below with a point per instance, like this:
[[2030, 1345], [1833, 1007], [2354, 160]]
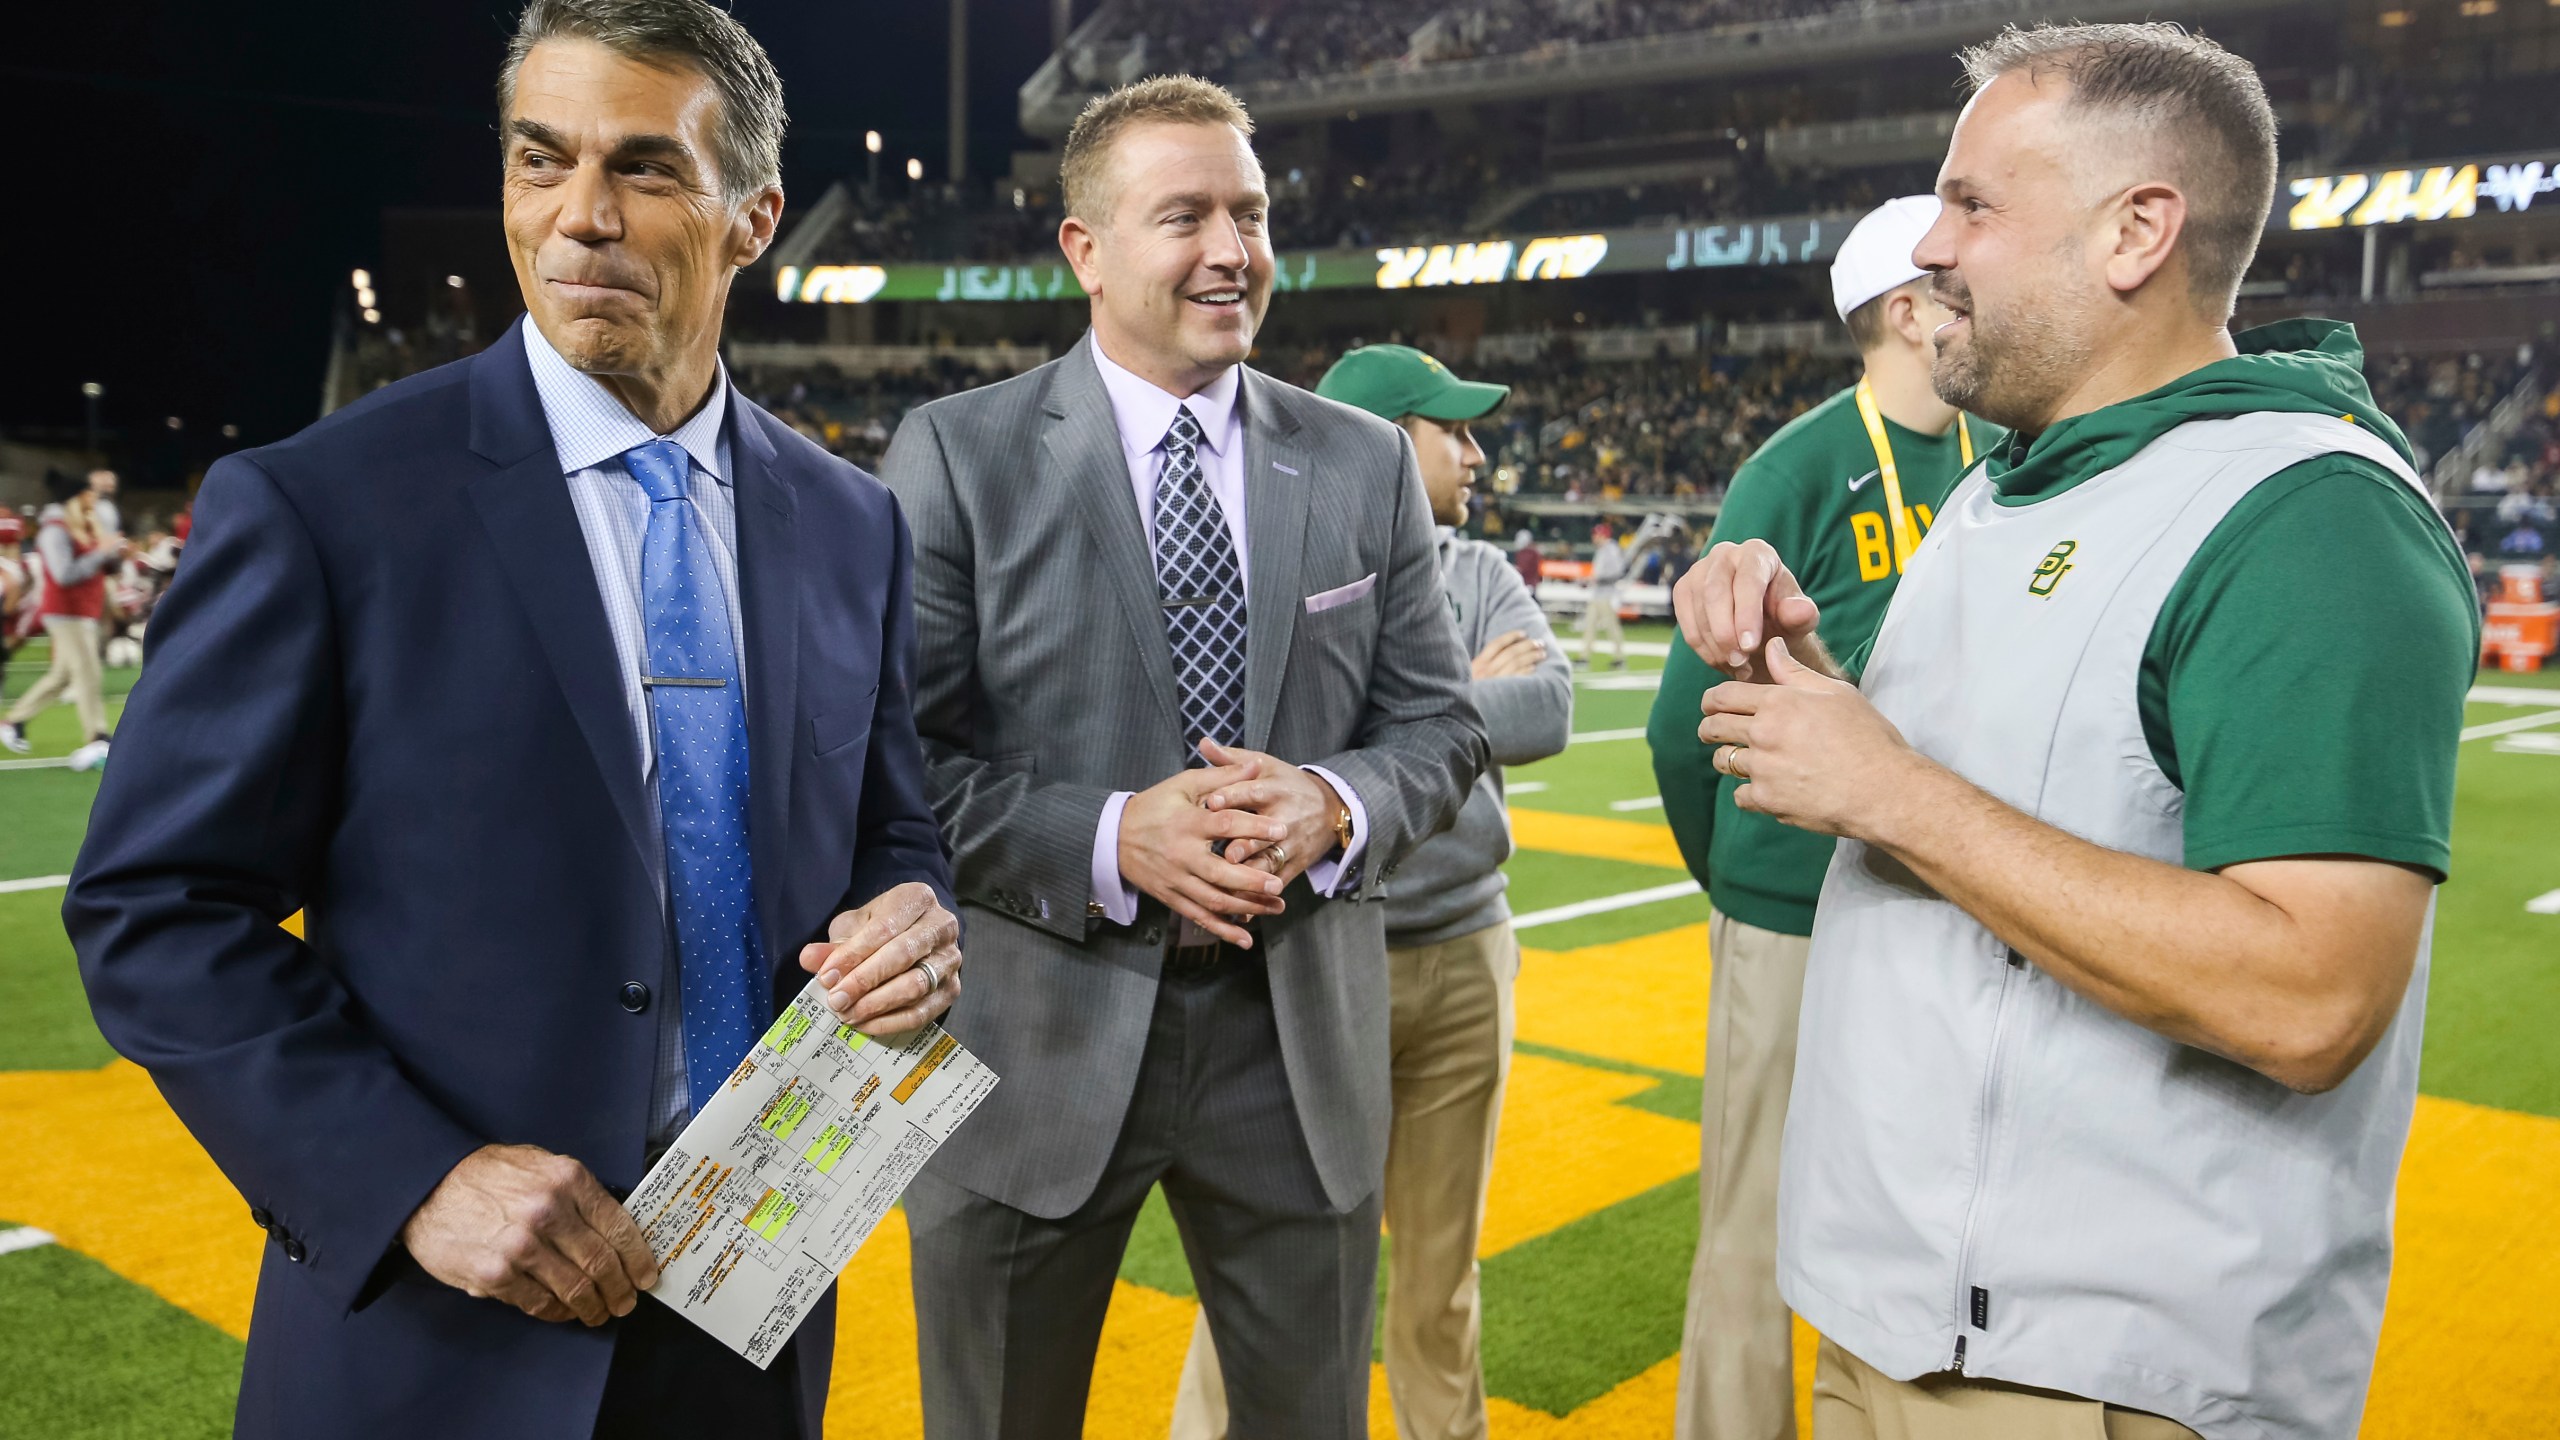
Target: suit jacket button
[[262, 1219], [1154, 936], [635, 996], [293, 1250]]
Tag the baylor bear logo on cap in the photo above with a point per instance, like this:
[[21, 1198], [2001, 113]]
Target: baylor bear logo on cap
[[2051, 569]]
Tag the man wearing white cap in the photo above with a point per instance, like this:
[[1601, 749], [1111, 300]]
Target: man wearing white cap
[[1850, 486]]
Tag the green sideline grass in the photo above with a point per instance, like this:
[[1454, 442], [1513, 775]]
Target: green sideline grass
[[93, 1356]]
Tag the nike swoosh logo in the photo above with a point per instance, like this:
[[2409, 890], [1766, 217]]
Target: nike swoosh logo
[[1863, 479]]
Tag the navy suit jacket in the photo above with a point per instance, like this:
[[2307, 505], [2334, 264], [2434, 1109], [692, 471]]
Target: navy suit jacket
[[382, 691]]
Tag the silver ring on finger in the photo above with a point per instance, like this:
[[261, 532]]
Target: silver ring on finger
[[1280, 852], [932, 977]]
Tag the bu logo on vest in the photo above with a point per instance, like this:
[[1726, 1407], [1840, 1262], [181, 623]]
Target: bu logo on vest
[[2050, 570]]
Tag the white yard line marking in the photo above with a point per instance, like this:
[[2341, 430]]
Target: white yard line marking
[[1588, 736], [1628, 680], [1524, 787], [42, 762], [25, 1237], [40, 882], [2529, 745], [1642, 802], [1603, 905], [2539, 905], [2512, 695], [2506, 727]]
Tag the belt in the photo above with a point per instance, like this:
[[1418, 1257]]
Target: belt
[[1182, 960]]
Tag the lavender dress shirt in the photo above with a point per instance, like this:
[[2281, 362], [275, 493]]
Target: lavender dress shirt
[[1144, 413]]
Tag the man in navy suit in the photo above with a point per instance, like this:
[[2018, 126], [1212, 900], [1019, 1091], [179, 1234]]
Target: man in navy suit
[[567, 694]]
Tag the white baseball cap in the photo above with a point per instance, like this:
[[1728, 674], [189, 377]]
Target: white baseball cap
[[1877, 255]]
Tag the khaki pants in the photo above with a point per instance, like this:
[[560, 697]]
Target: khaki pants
[[1737, 1365], [1853, 1400], [75, 672], [1451, 1035], [1600, 617]]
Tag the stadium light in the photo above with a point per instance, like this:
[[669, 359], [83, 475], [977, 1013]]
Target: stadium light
[[453, 280], [364, 279], [871, 141], [175, 423], [364, 297], [230, 432], [373, 317], [915, 168], [93, 389]]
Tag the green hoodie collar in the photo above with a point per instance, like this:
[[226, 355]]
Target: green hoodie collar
[[2302, 366]]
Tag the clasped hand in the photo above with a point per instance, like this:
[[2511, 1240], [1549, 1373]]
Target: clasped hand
[[1220, 844]]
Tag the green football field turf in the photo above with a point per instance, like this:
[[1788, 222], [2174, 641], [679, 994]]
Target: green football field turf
[[131, 1326]]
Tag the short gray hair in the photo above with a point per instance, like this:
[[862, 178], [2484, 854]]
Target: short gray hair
[[748, 135], [2205, 101]]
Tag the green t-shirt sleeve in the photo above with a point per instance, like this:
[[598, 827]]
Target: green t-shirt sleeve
[[2305, 681]]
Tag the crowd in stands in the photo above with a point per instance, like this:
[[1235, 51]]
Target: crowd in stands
[[373, 355], [854, 415], [2508, 511], [1670, 426], [1272, 40], [2404, 116], [1581, 429], [2437, 399], [1573, 429], [1380, 205]]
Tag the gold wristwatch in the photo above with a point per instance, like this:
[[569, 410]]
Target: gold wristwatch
[[1342, 825]]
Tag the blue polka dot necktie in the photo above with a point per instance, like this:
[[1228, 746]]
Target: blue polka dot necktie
[[700, 719], [1202, 589]]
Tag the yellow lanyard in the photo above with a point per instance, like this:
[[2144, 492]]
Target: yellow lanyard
[[1904, 540]]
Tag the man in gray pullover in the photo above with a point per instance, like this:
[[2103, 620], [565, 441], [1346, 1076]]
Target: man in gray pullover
[[1450, 951]]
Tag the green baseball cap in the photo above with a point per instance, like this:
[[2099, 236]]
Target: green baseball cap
[[1393, 381]]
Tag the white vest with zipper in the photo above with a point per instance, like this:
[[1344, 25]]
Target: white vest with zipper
[[1984, 1171]]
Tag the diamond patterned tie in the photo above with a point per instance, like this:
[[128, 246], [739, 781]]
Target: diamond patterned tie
[[1202, 590], [700, 719]]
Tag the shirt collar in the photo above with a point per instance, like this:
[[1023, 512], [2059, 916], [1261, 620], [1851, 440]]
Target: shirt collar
[[589, 427], [1145, 411]]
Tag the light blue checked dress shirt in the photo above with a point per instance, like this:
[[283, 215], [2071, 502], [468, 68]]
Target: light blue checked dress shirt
[[590, 430]]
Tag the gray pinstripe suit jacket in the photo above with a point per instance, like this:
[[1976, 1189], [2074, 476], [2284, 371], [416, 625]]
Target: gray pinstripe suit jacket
[[1045, 683]]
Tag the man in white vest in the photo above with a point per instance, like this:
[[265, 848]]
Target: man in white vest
[[2111, 1020]]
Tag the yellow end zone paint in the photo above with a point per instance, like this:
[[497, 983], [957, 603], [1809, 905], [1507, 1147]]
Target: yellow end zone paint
[[1595, 836], [1643, 1001], [1566, 1149], [2466, 1342]]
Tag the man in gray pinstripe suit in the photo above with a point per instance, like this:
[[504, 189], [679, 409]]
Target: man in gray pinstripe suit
[[1147, 580]]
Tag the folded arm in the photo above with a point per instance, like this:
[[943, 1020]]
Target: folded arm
[[1526, 717]]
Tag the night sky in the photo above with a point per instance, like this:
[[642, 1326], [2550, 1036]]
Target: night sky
[[195, 180]]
